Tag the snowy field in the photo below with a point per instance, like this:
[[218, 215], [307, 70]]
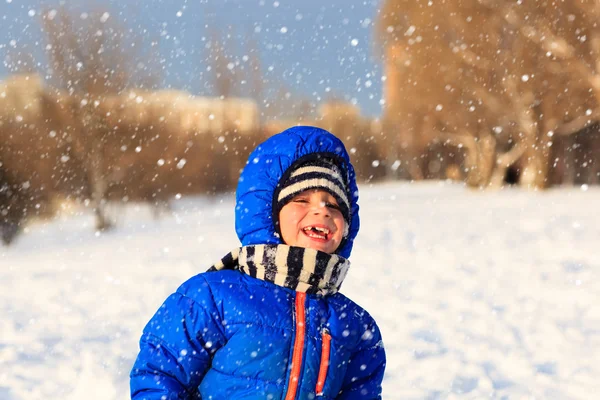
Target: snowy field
[[478, 295]]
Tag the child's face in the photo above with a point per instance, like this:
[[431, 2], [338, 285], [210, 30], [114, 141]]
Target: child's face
[[312, 219]]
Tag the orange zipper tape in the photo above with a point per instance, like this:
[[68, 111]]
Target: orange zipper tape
[[298, 346], [325, 350]]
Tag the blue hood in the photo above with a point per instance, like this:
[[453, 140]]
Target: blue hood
[[267, 164]]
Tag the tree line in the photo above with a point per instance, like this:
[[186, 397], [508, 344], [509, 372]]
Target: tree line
[[504, 89], [475, 91]]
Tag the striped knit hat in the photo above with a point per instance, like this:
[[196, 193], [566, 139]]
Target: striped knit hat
[[317, 173]]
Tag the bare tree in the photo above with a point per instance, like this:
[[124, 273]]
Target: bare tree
[[20, 61], [223, 64], [12, 210], [497, 79], [254, 74], [91, 57]]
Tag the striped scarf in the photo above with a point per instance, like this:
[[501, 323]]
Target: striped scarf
[[298, 268]]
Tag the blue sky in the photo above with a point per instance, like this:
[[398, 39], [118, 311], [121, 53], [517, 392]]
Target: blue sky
[[318, 49]]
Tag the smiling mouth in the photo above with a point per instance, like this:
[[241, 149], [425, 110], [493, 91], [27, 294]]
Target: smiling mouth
[[315, 232]]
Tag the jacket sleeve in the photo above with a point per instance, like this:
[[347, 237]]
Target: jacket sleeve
[[176, 346], [365, 370]]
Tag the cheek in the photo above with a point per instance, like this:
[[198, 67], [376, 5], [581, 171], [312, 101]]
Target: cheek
[[294, 214], [340, 233], [288, 219], [340, 223]]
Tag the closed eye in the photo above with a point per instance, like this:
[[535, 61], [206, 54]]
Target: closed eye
[[332, 205]]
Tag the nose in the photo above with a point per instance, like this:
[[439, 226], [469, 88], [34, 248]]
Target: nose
[[320, 207]]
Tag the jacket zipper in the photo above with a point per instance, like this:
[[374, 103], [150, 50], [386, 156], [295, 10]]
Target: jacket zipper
[[325, 350], [298, 346]]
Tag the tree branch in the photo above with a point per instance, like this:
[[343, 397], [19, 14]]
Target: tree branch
[[577, 124]]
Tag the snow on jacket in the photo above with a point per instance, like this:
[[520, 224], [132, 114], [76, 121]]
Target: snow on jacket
[[227, 335]]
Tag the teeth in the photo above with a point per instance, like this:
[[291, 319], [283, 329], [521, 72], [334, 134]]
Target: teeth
[[318, 229], [316, 232]]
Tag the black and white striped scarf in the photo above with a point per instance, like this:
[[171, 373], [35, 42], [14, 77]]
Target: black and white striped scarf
[[298, 268]]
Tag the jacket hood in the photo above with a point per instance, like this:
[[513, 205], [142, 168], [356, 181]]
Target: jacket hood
[[255, 222]]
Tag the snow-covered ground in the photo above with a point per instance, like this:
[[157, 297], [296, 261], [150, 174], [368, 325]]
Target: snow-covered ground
[[478, 294]]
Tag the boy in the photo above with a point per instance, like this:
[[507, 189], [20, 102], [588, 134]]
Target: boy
[[267, 321]]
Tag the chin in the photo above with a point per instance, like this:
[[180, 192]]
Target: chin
[[325, 249]]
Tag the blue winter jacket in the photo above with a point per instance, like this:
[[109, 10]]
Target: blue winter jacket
[[227, 335]]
